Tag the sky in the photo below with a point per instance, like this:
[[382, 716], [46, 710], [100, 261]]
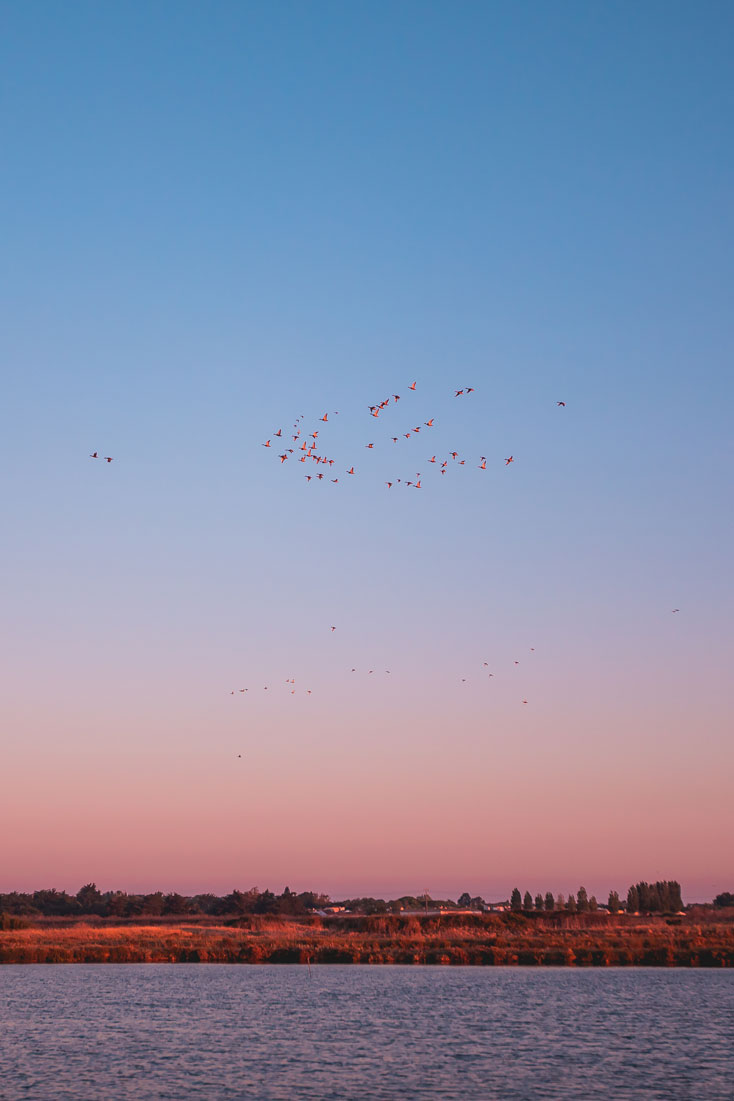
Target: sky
[[220, 219]]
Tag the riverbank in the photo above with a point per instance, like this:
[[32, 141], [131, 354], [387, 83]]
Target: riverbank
[[482, 940]]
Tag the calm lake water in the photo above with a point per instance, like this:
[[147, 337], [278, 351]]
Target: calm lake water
[[210, 1031]]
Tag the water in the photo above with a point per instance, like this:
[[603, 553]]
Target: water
[[267, 1032]]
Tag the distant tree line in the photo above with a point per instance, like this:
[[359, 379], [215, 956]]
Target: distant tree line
[[649, 898], [91, 901], [663, 896], [548, 902]]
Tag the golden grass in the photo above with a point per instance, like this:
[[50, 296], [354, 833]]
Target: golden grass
[[482, 941]]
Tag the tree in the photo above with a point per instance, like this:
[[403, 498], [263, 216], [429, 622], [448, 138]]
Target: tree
[[539, 901], [593, 904], [582, 900], [661, 896], [289, 903], [560, 901], [571, 904], [550, 902], [89, 899], [115, 903], [527, 902], [55, 903], [613, 902], [174, 903], [464, 901], [153, 904], [633, 900], [515, 901], [726, 898], [266, 903]]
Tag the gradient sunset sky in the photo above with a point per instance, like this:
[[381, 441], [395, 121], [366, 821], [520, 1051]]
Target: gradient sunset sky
[[219, 217]]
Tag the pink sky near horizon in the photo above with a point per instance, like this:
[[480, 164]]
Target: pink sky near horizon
[[453, 787]]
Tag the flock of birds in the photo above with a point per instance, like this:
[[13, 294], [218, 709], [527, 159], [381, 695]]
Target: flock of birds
[[289, 684], [308, 447]]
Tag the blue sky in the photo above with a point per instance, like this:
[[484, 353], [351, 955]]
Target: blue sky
[[216, 218]]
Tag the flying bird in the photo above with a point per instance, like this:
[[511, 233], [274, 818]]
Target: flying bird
[[412, 386], [458, 393], [389, 485], [561, 403], [510, 460], [279, 432], [351, 470], [264, 445], [429, 424], [333, 628], [94, 455], [108, 458]]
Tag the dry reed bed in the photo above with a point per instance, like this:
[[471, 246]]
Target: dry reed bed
[[376, 940]]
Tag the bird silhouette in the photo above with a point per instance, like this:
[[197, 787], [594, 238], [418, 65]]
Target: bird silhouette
[[94, 455]]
